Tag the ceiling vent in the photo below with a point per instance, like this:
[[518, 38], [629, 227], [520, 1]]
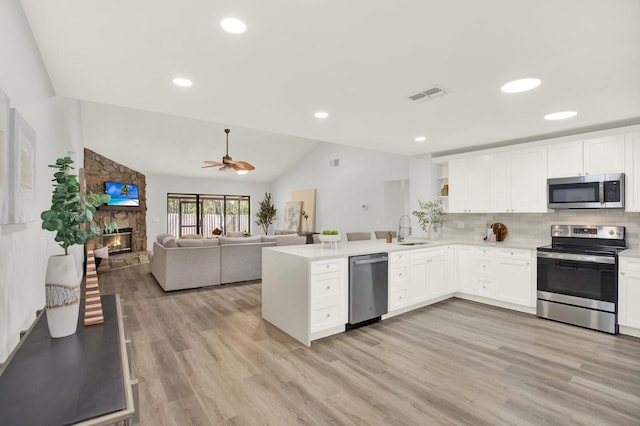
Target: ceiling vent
[[334, 163], [428, 94]]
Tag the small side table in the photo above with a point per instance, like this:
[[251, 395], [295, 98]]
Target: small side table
[[309, 236]]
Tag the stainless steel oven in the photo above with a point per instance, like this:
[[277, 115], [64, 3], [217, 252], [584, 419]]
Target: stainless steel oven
[[578, 276]]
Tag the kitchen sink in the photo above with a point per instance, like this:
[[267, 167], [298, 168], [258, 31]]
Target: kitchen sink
[[414, 243]]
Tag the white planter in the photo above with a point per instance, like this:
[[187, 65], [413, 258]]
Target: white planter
[[329, 238], [435, 234], [62, 289]]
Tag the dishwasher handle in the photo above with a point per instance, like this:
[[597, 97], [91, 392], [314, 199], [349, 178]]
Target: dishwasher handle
[[369, 261]]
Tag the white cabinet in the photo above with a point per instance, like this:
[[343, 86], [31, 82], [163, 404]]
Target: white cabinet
[[398, 280], [440, 268], [629, 293], [586, 157], [418, 273], [469, 184], [632, 178], [495, 273], [513, 276], [329, 294], [518, 181]]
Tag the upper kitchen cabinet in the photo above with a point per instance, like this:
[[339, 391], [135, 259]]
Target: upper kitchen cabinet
[[632, 178], [469, 184], [586, 157], [518, 181]]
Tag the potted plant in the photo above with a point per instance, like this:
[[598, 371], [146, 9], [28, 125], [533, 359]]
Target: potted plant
[[70, 210], [266, 213], [430, 218], [329, 236], [305, 216]]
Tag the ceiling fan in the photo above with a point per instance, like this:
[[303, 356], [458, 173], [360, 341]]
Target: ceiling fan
[[228, 164]]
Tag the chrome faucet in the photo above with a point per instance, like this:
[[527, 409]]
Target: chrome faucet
[[403, 230]]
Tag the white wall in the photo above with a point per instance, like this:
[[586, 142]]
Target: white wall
[[158, 186], [25, 248], [359, 179]]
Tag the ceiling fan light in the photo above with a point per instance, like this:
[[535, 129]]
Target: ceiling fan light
[[233, 25], [242, 172]]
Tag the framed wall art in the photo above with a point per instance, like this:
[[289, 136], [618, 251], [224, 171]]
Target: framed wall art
[[292, 215], [23, 145], [5, 160]]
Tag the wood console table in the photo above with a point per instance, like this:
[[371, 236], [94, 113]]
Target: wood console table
[[80, 379]]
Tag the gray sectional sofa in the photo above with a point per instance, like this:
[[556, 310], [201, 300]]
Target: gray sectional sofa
[[179, 264]]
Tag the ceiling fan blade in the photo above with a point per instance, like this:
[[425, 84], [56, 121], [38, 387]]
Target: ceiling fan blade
[[226, 168], [212, 163], [243, 165]]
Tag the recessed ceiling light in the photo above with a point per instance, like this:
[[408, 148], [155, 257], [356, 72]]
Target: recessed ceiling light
[[560, 115], [420, 138], [233, 25], [242, 172], [182, 82], [321, 114], [522, 85]]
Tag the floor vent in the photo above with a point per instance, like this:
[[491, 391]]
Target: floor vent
[[428, 94]]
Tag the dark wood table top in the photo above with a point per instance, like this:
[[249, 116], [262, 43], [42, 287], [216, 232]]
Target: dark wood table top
[[67, 380]]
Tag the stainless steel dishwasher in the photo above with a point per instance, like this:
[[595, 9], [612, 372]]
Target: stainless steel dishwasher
[[368, 288]]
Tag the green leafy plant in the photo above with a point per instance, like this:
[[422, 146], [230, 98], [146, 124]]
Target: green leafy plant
[[330, 232], [70, 209], [430, 215], [266, 213]]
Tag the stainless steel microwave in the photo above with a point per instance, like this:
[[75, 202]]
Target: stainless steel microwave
[[586, 192]]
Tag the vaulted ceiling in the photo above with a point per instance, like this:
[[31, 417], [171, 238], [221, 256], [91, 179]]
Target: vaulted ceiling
[[357, 60]]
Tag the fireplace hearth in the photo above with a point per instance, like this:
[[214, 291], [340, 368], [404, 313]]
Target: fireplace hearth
[[118, 242]]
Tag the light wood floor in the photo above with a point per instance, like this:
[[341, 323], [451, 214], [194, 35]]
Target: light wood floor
[[206, 357]]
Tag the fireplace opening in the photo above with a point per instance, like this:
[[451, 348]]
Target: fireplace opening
[[118, 242]]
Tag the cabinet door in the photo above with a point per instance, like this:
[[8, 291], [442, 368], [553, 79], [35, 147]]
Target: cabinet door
[[632, 178], [529, 180], [565, 159], [458, 186], [478, 188], [465, 272], [604, 155], [500, 183], [629, 294], [436, 273], [418, 273], [513, 278]]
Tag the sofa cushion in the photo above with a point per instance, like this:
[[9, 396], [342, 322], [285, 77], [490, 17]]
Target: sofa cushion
[[161, 237], [195, 242], [290, 240], [269, 238], [285, 232], [191, 237], [240, 240], [169, 241]]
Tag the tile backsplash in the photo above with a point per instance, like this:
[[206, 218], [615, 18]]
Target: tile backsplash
[[535, 227]]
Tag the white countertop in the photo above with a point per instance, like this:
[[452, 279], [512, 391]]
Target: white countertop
[[630, 253], [354, 248]]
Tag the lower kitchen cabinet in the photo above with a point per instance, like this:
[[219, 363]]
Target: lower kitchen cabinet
[[329, 294], [513, 279], [629, 294], [398, 280], [504, 275]]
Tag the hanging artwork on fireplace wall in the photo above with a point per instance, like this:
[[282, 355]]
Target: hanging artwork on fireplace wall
[[23, 145], [5, 160]]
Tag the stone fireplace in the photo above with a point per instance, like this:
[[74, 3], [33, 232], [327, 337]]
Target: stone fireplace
[[98, 170]]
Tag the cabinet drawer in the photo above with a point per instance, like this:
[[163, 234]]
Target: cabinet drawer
[[398, 275], [484, 264], [398, 299], [326, 317], [485, 287], [398, 257], [331, 265], [326, 285], [514, 254]]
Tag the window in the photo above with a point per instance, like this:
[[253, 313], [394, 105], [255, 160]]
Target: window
[[201, 214]]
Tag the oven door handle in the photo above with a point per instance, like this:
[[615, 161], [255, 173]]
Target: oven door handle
[[577, 257]]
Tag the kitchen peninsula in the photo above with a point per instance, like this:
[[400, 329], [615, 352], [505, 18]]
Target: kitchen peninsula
[[305, 288]]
